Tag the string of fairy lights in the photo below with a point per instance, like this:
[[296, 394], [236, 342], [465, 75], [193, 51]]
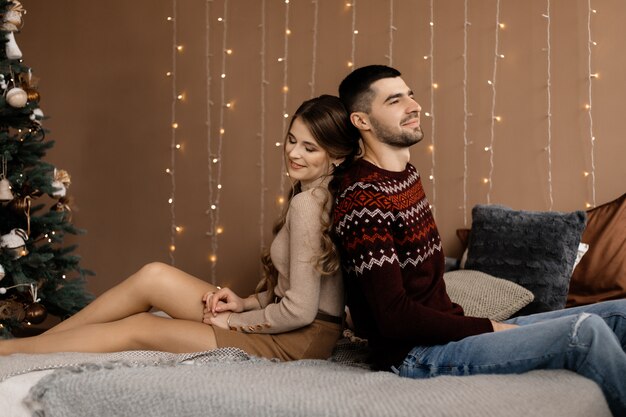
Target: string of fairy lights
[[591, 77], [262, 132], [176, 49], [285, 61], [314, 47], [494, 118], [215, 134], [548, 18], [354, 32], [433, 87], [392, 29], [466, 113]]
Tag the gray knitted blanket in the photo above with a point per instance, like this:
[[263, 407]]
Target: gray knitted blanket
[[230, 384]]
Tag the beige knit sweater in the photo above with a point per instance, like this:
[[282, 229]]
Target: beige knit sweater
[[294, 252]]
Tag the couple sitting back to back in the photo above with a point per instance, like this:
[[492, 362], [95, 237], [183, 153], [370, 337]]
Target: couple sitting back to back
[[357, 207]]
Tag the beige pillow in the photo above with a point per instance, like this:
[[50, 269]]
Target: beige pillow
[[482, 295]]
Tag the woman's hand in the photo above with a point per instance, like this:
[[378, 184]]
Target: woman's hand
[[223, 300], [498, 327], [217, 320]]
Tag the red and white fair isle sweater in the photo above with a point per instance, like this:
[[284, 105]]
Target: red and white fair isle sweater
[[393, 264]]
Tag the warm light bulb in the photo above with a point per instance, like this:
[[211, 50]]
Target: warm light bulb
[[485, 180], [356, 32], [180, 48], [277, 144], [585, 173], [215, 160], [222, 131], [170, 200], [178, 146], [350, 64], [175, 125], [502, 25], [172, 248], [213, 206], [229, 51], [435, 85], [170, 18], [281, 200], [288, 32], [213, 258], [223, 75], [180, 96], [497, 118], [219, 186], [286, 115], [285, 89], [179, 229], [219, 230]]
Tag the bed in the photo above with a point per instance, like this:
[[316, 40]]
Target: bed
[[505, 273]]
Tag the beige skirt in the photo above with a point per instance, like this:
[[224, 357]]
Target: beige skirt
[[315, 341]]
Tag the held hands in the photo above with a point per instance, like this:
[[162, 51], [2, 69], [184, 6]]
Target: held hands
[[219, 305]]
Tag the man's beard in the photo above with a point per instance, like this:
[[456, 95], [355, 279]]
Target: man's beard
[[401, 139]]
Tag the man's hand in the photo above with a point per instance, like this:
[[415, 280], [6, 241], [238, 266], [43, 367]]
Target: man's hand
[[498, 327]]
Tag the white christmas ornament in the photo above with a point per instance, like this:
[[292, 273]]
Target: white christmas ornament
[[60, 191], [17, 97], [12, 50], [5, 190], [36, 115], [15, 242]]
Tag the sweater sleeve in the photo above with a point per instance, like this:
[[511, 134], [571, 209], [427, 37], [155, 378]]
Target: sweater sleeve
[[394, 283], [300, 285]]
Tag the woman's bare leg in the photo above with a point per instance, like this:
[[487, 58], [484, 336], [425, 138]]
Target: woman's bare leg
[[143, 331], [155, 285]]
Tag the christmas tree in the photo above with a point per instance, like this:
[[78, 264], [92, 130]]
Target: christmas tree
[[38, 274]]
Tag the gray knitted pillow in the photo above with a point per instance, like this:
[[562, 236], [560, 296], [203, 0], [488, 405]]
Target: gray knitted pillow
[[482, 295], [533, 249]]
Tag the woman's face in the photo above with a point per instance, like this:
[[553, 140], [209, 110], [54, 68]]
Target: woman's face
[[306, 159]]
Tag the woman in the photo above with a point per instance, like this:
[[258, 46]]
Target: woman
[[298, 313]]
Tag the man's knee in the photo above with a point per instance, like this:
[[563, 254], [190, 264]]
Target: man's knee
[[589, 328]]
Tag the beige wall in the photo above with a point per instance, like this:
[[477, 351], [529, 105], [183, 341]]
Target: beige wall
[[102, 67]]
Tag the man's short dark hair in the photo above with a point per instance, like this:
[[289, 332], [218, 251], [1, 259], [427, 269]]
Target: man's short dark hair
[[355, 91]]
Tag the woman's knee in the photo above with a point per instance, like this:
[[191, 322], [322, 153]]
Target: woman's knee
[[138, 329], [150, 273]]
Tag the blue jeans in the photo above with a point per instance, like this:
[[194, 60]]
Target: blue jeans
[[589, 340]]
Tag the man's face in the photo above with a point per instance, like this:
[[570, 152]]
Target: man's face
[[394, 115]]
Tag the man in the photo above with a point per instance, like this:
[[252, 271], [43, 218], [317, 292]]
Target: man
[[393, 264]]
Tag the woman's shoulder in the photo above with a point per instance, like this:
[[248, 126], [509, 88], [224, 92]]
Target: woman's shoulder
[[311, 200]]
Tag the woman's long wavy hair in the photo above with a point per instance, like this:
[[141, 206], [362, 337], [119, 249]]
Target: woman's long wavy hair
[[329, 123]]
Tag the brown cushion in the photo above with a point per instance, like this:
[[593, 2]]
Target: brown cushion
[[463, 235], [601, 273]]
